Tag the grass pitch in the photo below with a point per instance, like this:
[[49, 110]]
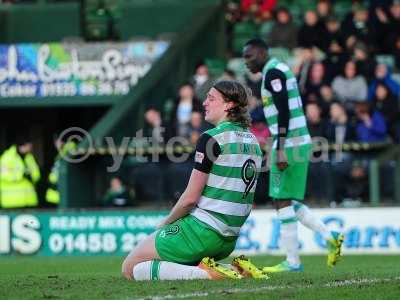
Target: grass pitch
[[356, 277]]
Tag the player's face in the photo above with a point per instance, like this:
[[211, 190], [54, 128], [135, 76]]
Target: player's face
[[215, 107], [254, 58]]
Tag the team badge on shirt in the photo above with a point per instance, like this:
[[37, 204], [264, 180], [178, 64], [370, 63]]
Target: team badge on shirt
[[276, 85], [198, 157]]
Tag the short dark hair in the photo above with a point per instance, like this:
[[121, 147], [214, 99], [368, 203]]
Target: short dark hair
[[257, 42], [22, 139], [186, 83], [234, 91]]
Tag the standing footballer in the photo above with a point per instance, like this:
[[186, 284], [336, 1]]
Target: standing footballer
[[289, 156]]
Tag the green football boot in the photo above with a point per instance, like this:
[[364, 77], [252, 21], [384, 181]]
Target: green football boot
[[283, 267], [334, 246]]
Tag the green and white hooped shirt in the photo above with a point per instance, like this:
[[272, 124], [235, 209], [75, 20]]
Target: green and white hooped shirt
[[232, 157], [297, 134]]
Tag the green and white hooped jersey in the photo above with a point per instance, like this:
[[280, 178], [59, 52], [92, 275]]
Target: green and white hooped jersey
[[297, 132], [228, 196]]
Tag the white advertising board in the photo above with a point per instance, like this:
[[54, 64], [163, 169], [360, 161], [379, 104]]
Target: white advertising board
[[366, 230]]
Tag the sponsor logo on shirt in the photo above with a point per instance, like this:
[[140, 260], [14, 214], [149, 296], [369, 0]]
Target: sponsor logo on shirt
[[276, 85], [199, 157], [170, 230], [244, 134]]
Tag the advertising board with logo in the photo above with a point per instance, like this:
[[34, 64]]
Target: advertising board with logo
[[75, 69], [367, 230]]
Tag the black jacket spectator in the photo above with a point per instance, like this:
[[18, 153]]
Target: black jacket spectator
[[364, 62], [333, 37], [358, 27], [311, 32], [314, 82], [284, 31], [316, 124], [394, 25]]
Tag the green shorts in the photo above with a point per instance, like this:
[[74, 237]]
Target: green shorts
[[291, 182], [188, 241]]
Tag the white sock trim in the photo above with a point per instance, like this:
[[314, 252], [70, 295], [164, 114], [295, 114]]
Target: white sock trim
[[165, 270], [289, 235]]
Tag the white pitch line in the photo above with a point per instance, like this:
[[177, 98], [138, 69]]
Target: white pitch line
[[360, 281], [341, 283]]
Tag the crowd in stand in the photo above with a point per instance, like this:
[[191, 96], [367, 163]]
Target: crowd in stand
[[349, 92]]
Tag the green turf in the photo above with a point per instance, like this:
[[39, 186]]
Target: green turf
[[357, 277]]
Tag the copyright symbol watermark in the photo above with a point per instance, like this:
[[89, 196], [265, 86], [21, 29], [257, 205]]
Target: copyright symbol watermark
[[74, 135]]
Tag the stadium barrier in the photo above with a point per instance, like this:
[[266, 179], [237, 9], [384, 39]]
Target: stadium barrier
[[393, 153], [87, 233]]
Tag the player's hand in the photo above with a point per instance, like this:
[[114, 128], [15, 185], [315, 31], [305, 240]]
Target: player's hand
[[281, 160]]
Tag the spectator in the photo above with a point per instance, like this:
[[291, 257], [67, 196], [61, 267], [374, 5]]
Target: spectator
[[383, 75], [63, 147], [201, 80], [153, 126], [394, 24], [261, 132], [371, 126], [358, 27], [396, 52], [258, 10], [177, 173], [284, 31], [335, 60], [233, 13], [310, 33], [327, 98], [327, 94], [381, 22], [117, 195], [316, 125], [364, 62], [318, 170], [339, 129], [350, 86], [385, 102], [19, 176], [196, 128], [149, 167], [333, 38], [315, 81], [184, 106], [324, 10], [305, 58], [253, 81], [356, 187], [228, 74]]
